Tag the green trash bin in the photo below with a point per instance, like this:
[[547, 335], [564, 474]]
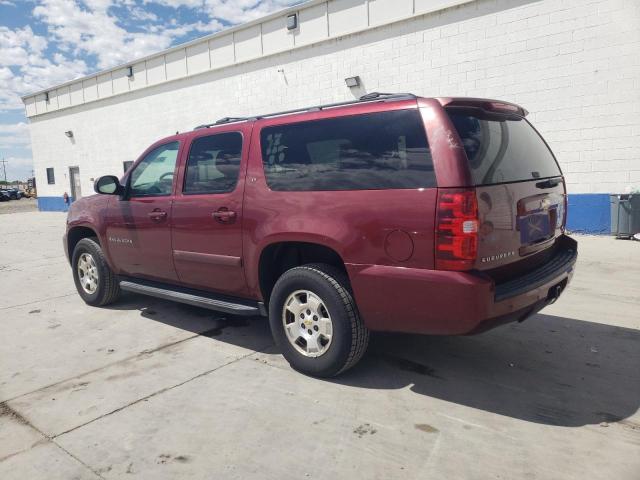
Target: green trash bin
[[625, 215]]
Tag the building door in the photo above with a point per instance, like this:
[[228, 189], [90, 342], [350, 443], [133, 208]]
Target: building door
[[74, 177]]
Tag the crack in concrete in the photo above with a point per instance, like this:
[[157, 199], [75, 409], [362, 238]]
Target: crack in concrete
[[158, 392], [38, 301], [6, 410], [108, 365]]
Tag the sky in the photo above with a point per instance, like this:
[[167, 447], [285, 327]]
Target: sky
[[47, 42]]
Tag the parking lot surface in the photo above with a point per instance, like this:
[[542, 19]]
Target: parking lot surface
[[151, 389]]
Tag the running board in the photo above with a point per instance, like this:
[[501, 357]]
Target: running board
[[196, 298]]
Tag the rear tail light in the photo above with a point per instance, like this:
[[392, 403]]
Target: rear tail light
[[456, 229]]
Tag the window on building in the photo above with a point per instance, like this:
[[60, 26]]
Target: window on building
[[127, 165], [153, 176], [51, 179], [374, 151], [213, 164]]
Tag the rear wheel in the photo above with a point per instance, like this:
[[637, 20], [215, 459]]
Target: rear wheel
[[95, 282], [315, 322]]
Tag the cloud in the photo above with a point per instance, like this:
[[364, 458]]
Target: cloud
[[24, 66], [14, 135], [90, 27]]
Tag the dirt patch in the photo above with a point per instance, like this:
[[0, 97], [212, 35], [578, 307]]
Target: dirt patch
[[424, 427], [166, 458], [22, 205], [364, 429], [7, 411]]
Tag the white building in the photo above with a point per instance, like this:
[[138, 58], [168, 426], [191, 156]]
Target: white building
[[574, 64]]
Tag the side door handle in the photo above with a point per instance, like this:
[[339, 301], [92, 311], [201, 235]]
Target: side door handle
[[224, 215], [157, 215]]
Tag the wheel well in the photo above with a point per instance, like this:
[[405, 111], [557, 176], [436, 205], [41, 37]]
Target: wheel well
[[75, 235], [280, 257]]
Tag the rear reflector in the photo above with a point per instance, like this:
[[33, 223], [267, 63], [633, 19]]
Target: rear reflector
[[456, 229]]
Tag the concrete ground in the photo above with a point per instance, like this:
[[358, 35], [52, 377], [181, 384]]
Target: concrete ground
[[152, 389]]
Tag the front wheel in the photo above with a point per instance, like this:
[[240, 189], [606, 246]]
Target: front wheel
[[95, 282], [315, 322]]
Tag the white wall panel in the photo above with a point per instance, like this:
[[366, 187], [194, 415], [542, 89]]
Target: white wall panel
[[423, 6], [346, 16], [90, 89], [221, 51], [248, 44], [313, 25], [120, 80], [41, 104], [139, 79], [105, 89], [156, 72], [52, 104], [275, 36], [176, 64], [76, 93], [198, 58], [64, 99], [385, 11], [30, 106]]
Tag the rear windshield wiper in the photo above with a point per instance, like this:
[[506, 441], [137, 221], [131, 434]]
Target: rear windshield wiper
[[549, 183]]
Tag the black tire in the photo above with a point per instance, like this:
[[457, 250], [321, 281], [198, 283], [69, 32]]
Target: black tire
[[108, 287], [350, 336]]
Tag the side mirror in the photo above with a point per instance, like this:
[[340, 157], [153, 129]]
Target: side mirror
[[108, 185]]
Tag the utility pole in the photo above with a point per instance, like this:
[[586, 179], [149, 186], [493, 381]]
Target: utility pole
[[4, 168]]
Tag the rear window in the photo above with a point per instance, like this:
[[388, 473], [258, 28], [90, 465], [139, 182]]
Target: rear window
[[502, 149], [386, 150]]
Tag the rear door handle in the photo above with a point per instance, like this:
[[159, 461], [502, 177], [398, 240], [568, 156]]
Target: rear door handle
[[224, 215], [157, 215]]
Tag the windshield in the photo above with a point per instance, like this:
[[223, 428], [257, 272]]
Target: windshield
[[502, 149]]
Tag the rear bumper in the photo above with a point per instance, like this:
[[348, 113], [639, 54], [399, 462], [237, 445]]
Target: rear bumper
[[454, 303]]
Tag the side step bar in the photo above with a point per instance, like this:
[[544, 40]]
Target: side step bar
[[197, 298]]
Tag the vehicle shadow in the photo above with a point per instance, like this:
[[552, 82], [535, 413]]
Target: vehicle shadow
[[549, 370]]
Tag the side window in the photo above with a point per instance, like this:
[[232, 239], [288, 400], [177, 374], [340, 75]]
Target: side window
[[51, 179], [386, 150], [213, 164], [153, 176]]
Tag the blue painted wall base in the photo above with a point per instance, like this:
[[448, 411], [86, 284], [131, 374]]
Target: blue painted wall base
[[588, 212], [53, 204]]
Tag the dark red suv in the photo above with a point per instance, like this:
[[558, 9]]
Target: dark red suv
[[394, 213]]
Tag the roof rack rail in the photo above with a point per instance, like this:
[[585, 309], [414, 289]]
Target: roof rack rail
[[376, 95], [222, 121], [369, 97]]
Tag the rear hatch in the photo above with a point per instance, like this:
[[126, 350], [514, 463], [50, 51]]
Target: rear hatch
[[520, 190]]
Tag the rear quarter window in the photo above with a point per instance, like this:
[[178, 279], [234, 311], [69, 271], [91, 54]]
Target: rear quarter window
[[386, 150], [502, 149]]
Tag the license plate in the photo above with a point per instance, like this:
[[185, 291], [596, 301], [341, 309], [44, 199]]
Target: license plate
[[534, 227]]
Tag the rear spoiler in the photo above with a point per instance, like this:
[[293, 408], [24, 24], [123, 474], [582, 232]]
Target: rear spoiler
[[494, 106]]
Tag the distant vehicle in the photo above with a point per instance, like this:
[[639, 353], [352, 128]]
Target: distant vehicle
[[5, 196], [440, 216], [15, 193]]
